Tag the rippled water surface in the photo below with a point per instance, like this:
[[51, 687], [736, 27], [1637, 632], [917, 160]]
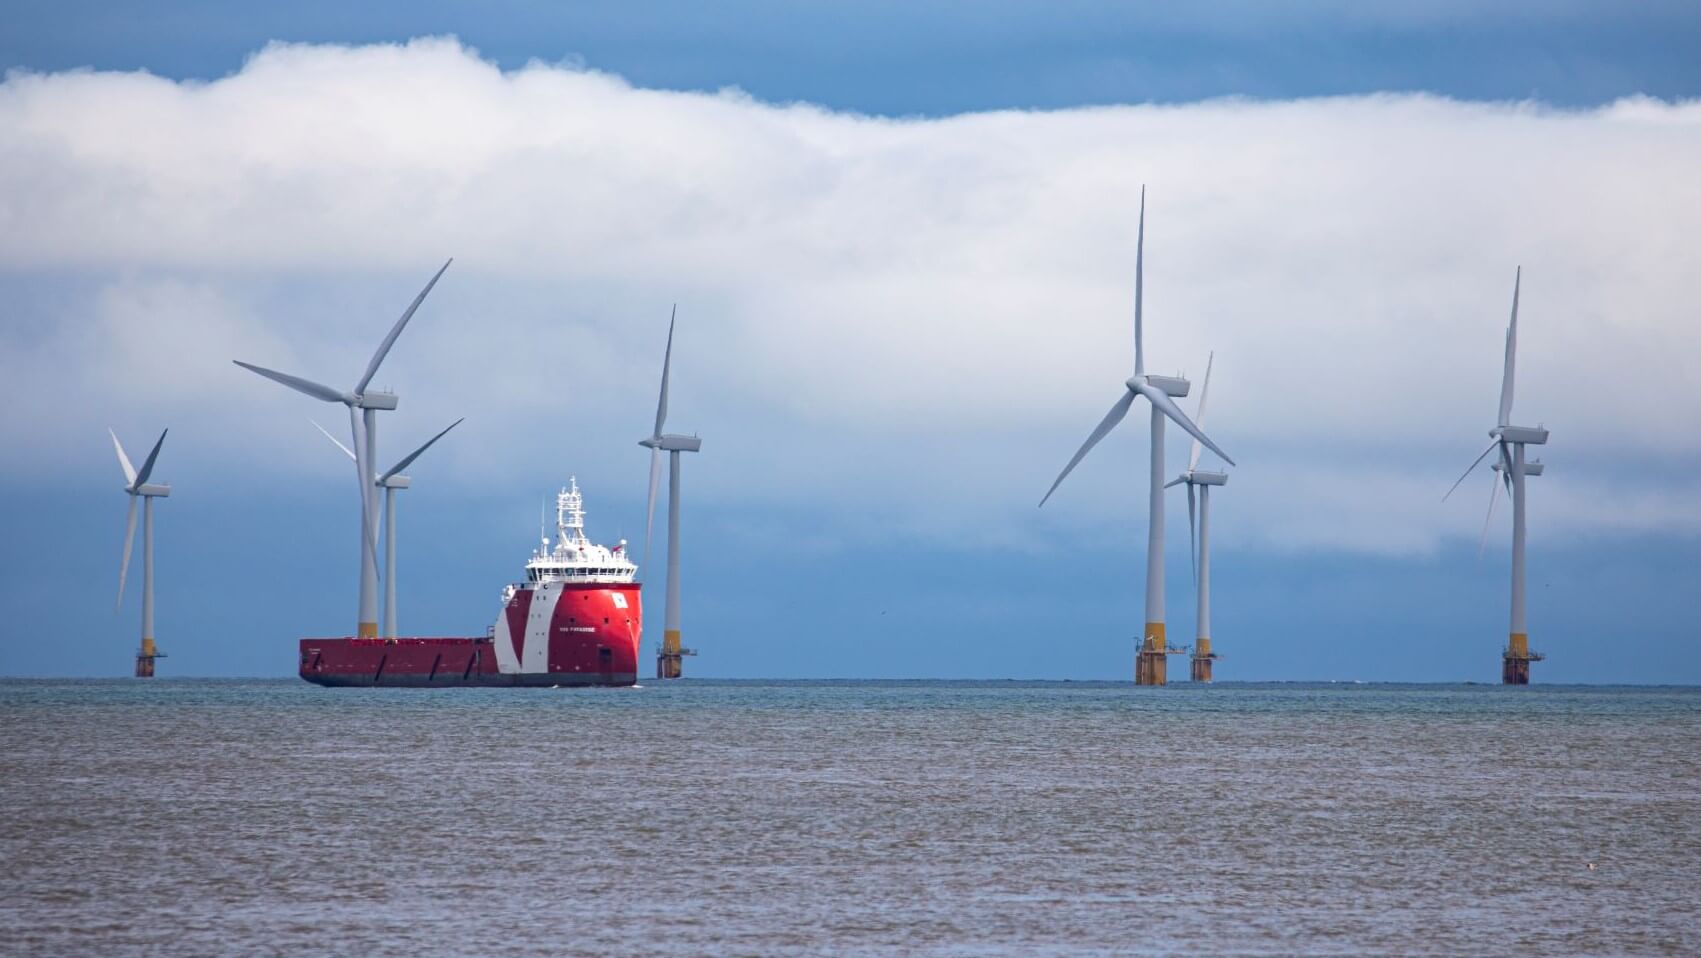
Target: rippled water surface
[[201, 817]]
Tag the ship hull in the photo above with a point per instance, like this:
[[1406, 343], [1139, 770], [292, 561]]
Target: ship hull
[[556, 635]]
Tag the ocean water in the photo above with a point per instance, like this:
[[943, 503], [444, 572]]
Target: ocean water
[[848, 818]]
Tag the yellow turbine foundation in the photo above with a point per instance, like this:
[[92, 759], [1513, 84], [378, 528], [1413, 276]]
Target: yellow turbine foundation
[[367, 630], [1151, 666], [670, 660], [1202, 659], [145, 659], [1515, 666]]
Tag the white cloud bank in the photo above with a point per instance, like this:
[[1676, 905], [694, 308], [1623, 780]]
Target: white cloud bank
[[927, 315]]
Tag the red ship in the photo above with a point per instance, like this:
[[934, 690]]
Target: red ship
[[575, 620]]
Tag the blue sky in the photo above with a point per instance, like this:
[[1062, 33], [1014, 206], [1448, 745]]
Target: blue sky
[[892, 333], [935, 57]]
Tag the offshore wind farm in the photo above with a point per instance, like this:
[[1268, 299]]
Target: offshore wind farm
[[537, 639], [857, 390], [841, 688]]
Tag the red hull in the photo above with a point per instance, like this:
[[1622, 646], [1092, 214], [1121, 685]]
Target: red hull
[[557, 634]]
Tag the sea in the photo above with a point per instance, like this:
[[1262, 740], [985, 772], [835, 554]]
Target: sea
[[770, 818]]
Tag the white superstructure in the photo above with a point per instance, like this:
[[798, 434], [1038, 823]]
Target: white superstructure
[[575, 558]]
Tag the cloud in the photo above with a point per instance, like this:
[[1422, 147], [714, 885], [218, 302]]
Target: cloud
[[890, 324]]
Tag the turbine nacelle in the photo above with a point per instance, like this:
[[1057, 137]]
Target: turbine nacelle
[[672, 443], [374, 401], [153, 490], [1172, 386], [1199, 477], [1526, 435], [394, 482], [1533, 468]]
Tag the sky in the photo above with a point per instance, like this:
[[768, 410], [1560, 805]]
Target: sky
[[901, 242]]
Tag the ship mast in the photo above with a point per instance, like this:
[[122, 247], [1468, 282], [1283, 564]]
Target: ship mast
[[570, 515]]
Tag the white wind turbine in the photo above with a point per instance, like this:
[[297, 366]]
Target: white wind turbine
[[1200, 544], [136, 484], [1150, 665], [1510, 441], [362, 408], [669, 658], [390, 481]]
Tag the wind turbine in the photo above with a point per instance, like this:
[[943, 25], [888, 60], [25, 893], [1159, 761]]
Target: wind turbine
[[362, 408], [669, 659], [138, 487], [390, 481], [1510, 441], [1150, 665], [1200, 545]]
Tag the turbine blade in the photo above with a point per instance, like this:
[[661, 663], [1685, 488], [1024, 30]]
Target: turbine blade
[[308, 386], [1192, 536], [1170, 409], [1473, 465], [398, 467], [1105, 425], [667, 362], [1505, 467], [1178, 480], [1204, 391], [147, 469], [123, 460], [1482, 544], [346, 450], [1511, 353], [396, 330], [129, 539], [650, 507], [1139, 287]]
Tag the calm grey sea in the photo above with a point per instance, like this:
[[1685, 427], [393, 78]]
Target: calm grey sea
[[849, 818]]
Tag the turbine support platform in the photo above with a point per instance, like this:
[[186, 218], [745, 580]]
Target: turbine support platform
[[1515, 664], [145, 657], [670, 658], [1203, 657], [1151, 664]]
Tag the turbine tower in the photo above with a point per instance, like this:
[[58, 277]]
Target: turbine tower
[[1510, 441], [390, 481], [1150, 666], [362, 408], [1200, 543], [669, 658], [138, 487]]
